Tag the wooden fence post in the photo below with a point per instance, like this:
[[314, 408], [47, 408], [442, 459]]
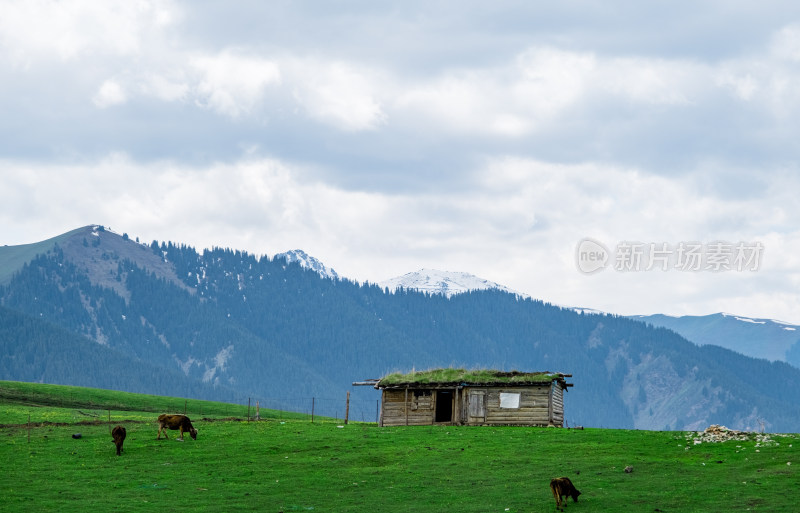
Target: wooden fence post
[[347, 409], [312, 409], [405, 405], [456, 409]]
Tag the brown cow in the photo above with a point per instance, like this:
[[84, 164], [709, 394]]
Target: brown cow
[[563, 487], [180, 422], [119, 436]]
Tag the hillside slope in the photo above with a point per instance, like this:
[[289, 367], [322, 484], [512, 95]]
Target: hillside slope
[[12, 258], [37, 351]]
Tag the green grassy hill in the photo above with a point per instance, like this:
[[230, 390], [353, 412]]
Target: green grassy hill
[[284, 464]]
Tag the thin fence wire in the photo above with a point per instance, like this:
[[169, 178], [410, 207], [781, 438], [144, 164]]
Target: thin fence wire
[[318, 407], [256, 408]]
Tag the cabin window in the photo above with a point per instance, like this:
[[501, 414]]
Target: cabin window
[[509, 400], [421, 399]]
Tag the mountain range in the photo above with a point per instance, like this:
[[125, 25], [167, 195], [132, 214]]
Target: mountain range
[[96, 308], [760, 338], [770, 339]]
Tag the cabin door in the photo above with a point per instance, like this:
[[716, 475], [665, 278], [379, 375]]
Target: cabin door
[[477, 406], [444, 406]]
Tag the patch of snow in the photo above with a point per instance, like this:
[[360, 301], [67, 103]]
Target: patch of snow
[[446, 283], [222, 357], [208, 375], [743, 319], [185, 366], [307, 261], [747, 319], [590, 311]]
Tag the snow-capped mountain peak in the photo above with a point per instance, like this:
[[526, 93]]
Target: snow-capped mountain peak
[[308, 262], [447, 283]]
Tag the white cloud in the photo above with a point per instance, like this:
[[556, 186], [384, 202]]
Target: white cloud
[[164, 88], [743, 84], [338, 94], [454, 102], [653, 81], [110, 93], [785, 43], [542, 86], [33, 30], [547, 80], [769, 80], [234, 84]]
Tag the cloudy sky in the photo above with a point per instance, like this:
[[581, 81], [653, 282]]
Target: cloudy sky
[[385, 137]]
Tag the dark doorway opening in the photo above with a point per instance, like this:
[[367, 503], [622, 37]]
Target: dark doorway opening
[[444, 406]]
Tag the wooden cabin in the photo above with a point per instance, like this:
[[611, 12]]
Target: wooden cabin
[[475, 398]]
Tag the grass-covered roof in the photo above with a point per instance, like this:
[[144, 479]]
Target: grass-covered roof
[[454, 377]]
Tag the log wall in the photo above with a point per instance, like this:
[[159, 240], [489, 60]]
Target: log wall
[[533, 407], [408, 408], [557, 409], [538, 405]]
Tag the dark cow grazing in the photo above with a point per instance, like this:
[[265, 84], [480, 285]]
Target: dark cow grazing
[[563, 487], [179, 422], [119, 436]]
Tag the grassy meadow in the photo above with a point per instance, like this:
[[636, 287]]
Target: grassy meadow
[[291, 464]]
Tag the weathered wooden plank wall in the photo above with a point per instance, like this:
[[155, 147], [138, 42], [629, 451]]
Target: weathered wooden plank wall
[[533, 406], [557, 400], [532, 410], [417, 410]]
